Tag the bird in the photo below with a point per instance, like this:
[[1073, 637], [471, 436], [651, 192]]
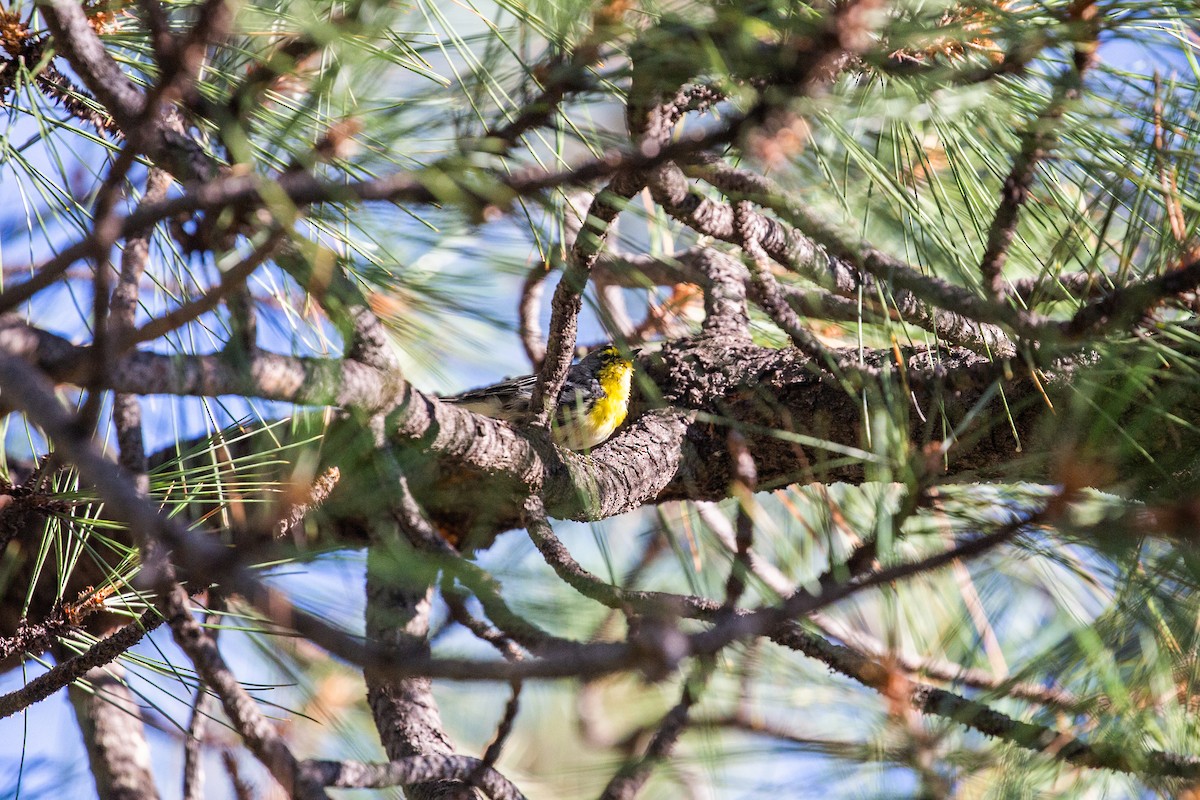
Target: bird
[[592, 404]]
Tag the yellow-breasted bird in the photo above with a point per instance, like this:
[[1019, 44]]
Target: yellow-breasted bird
[[592, 404]]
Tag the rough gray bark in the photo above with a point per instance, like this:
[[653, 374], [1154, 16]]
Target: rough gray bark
[[668, 453], [405, 712], [109, 716], [111, 722]]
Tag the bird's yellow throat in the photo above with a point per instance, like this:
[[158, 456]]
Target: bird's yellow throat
[[610, 410]]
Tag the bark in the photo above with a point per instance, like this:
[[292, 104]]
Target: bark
[[1006, 424], [405, 711], [111, 722]]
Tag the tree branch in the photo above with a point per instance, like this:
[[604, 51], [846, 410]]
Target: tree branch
[[831, 258], [568, 295], [162, 136], [977, 716], [409, 771], [66, 672], [111, 723], [629, 780]]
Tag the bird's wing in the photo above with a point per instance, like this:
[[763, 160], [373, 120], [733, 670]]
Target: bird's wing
[[513, 386], [507, 400]]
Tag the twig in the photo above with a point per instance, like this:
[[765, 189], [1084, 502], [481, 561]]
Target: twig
[[127, 410], [568, 295], [768, 295], [632, 776], [313, 496], [158, 25], [614, 315], [942, 670], [287, 56], [855, 752], [65, 672], [36, 637], [1071, 286], [193, 740], [242, 789], [559, 77], [760, 621], [304, 189], [1035, 142], [455, 601], [231, 280], [820, 251], [505, 727], [193, 763], [1129, 303], [529, 309], [746, 478], [103, 236], [256, 730], [764, 571], [939, 702]]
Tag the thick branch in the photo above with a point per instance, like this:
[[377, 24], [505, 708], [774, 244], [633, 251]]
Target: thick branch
[[111, 722], [665, 454], [404, 709], [411, 770]]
